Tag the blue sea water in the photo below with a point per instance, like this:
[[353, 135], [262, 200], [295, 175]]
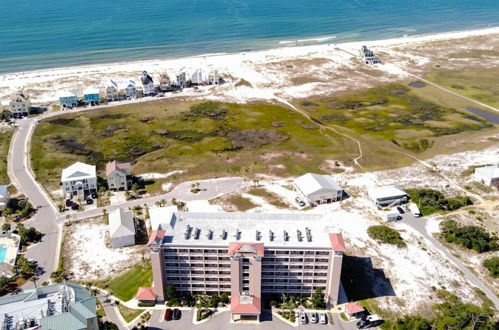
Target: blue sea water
[[37, 34]]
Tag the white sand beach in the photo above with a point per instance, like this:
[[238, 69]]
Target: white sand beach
[[292, 72]]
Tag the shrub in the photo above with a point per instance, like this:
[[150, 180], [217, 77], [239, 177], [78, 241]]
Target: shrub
[[492, 265], [431, 201], [471, 237], [412, 323], [146, 304], [386, 234], [202, 314]]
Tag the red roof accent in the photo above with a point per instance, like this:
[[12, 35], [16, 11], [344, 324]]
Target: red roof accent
[[156, 235], [238, 308], [337, 242], [234, 248], [354, 308], [146, 294], [114, 165]]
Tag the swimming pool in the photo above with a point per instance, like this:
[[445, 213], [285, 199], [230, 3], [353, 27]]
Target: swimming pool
[[3, 252]]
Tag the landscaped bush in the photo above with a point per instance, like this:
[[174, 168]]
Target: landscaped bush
[[290, 316], [146, 304], [471, 237], [386, 234], [431, 201], [492, 265], [202, 314]]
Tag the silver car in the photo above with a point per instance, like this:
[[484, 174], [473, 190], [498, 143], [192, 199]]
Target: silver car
[[313, 317], [303, 318], [322, 318]]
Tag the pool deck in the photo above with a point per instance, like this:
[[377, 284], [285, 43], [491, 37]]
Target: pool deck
[[11, 242]]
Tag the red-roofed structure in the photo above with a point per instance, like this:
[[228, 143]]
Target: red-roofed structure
[[354, 308], [337, 242], [241, 249], [156, 237], [146, 294], [245, 305]]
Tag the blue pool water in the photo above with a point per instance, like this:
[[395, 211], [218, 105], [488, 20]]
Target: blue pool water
[[55, 33], [3, 253]]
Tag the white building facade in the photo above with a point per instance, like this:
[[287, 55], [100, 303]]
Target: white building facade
[[318, 189], [488, 175], [121, 228], [20, 105], [79, 179]]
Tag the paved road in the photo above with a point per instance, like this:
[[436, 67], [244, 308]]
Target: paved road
[[45, 218], [419, 224], [111, 313], [222, 321]]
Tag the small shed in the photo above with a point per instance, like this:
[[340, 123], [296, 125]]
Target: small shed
[[121, 228], [146, 295], [355, 310]]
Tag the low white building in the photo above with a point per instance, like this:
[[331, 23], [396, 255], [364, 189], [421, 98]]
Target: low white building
[[20, 105], [121, 228], [318, 189], [79, 179], [488, 175], [4, 196], [387, 195]]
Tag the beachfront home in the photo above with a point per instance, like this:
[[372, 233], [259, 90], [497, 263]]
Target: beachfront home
[[387, 196], [367, 56], [79, 179], [316, 189], [214, 78], [91, 96], [4, 196], [121, 228], [182, 79], [20, 105], [68, 99], [488, 175], [165, 83], [197, 77], [63, 306], [130, 90], [147, 84], [119, 175], [112, 91]]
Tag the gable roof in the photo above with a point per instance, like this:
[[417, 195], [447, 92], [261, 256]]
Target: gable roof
[[491, 172], [146, 293], [156, 237], [146, 78], [78, 171], [121, 223], [354, 308], [125, 168], [239, 306], [337, 242], [311, 183], [240, 248]]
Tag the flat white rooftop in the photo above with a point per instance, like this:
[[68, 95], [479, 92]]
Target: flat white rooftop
[[386, 192], [220, 229]]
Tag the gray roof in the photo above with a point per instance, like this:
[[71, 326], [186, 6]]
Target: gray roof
[[121, 223], [312, 183]]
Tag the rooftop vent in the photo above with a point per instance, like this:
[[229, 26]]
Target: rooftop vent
[[286, 236], [271, 235], [224, 234], [238, 234], [309, 234], [299, 235], [258, 235], [188, 232], [197, 233], [210, 234]]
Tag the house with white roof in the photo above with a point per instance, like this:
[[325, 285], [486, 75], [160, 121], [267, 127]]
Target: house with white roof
[[20, 105], [488, 175], [387, 196], [121, 228], [91, 96], [79, 179], [68, 99], [4, 196], [318, 189]]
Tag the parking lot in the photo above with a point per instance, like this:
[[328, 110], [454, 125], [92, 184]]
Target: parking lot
[[222, 321]]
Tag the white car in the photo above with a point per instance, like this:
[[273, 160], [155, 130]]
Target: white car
[[313, 317], [322, 318], [303, 318]]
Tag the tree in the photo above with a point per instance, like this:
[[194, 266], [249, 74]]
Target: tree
[[318, 299], [34, 279], [214, 300], [189, 300], [224, 297], [412, 323], [6, 226], [4, 283], [28, 235], [170, 291], [492, 264], [24, 267], [7, 211], [135, 188]]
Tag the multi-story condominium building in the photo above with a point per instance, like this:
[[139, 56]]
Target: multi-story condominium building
[[79, 179], [247, 255], [59, 306], [20, 105]]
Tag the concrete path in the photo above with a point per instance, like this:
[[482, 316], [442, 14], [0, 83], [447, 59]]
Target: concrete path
[[112, 313]]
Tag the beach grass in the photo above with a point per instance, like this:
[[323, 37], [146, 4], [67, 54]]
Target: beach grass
[[5, 137], [125, 286]]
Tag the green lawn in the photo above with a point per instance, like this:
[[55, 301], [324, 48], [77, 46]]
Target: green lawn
[[128, 313], [5, 137], [125, 286]]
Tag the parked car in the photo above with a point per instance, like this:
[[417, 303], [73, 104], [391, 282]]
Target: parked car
[[303, 318], [69, 202], [74, 206], [168, 314], [406, 208], [401, 210], [313, 317], [299, 201], [90, 201], [369, 321], [69, 196], [177, 314], [94, 195], [322, 318]]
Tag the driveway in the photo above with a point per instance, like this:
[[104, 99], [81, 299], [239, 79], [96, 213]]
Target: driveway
[[222, 321]]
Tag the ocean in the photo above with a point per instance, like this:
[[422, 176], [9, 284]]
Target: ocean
[[59, 33]]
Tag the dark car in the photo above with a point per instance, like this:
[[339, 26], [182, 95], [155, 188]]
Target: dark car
[[94, 195], [74, 206], [168, 314], [69, 202], [90, 201], [369, 321], [177, 314], [401, 210]]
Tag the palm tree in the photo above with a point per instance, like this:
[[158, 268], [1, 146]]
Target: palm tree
[[33, 279]]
